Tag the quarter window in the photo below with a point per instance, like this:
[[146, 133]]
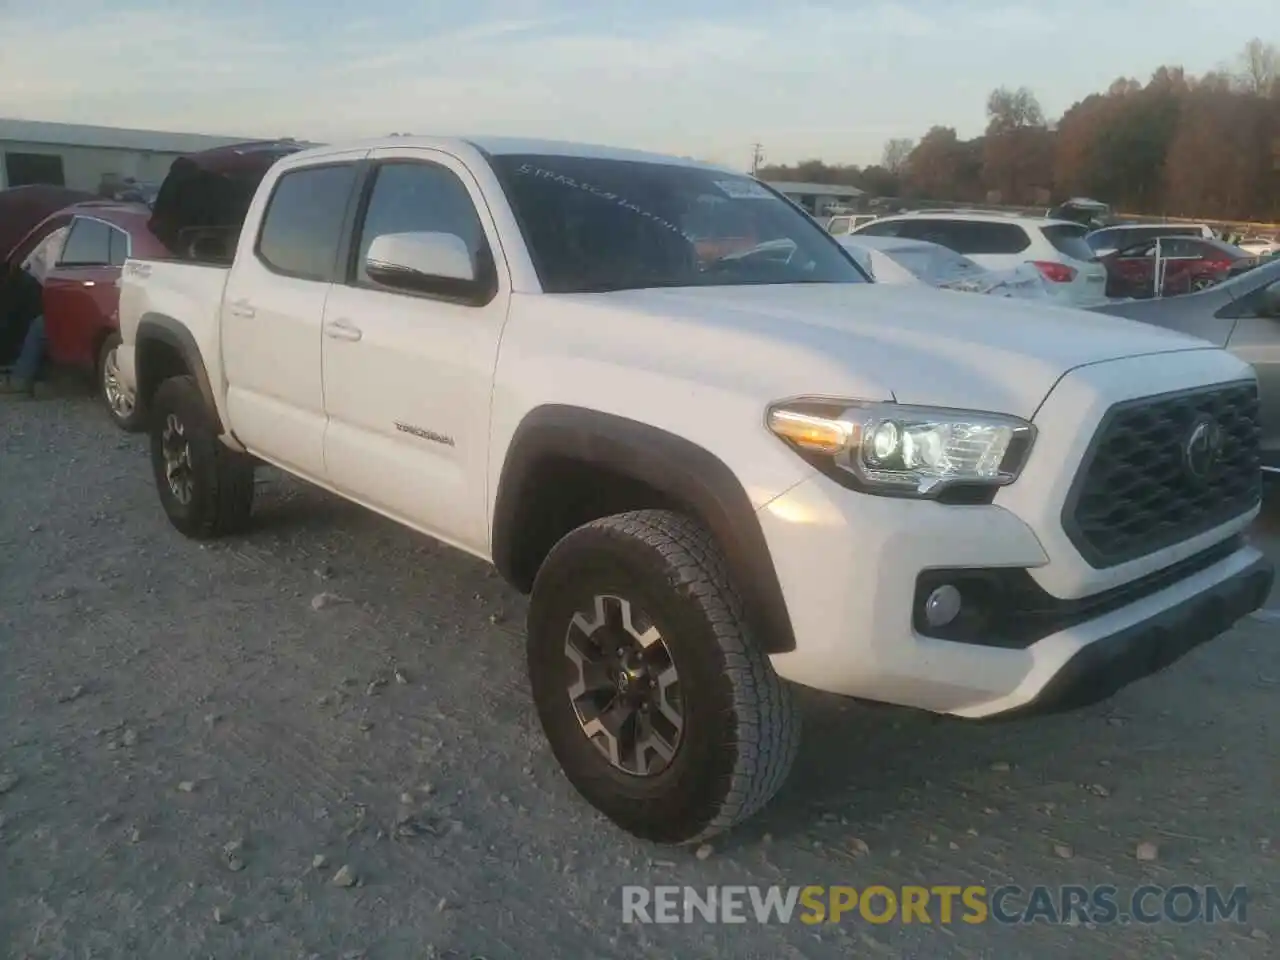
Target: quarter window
[[88, 244], [302, 228]]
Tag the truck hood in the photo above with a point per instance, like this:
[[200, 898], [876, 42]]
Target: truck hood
[[914, 345]]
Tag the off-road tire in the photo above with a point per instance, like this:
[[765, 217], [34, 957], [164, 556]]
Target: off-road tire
[[136, 420], [222, 485], [741, 729]]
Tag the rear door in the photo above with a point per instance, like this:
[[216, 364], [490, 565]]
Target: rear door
[[1132, 271], [82, 292], [273, 307]]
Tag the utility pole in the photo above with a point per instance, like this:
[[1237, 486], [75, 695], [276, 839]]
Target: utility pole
[[757, 157]]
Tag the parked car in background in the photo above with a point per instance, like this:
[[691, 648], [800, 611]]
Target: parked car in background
[[1260, 246], [1242, 315], [1056, 248], [897, 260], [1121, 236], [1082, 210], [844, 224], [1186, 264], [24, 222], [82, 295]]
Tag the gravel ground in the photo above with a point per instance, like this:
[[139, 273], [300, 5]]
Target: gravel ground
[[191, 751]]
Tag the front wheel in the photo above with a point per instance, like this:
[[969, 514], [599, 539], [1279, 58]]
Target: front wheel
[[206, 488], [655, 697], [121, 402]]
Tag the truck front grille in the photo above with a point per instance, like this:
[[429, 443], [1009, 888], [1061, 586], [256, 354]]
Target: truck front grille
[[1142, 487]]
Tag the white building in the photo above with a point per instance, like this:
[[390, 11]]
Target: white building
[[817, 198], [82, 157]]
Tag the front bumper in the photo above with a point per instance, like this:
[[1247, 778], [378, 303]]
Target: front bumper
[[848, 565]]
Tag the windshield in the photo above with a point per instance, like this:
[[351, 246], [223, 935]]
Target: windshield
[[595, 225]]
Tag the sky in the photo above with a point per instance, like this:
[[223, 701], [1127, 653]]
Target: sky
[[695, 78]]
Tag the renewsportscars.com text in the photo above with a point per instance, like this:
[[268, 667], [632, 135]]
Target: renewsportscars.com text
[[939, 904]]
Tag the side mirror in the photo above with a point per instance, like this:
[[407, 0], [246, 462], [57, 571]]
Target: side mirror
[[422, 262]]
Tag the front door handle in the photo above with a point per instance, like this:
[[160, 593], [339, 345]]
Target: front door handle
[[342, 330], [242, 308]]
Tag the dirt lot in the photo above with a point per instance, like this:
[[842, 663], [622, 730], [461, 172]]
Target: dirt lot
[[190, 751]]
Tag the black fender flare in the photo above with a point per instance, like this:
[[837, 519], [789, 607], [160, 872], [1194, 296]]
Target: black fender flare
[[158, 328], [688, 476]]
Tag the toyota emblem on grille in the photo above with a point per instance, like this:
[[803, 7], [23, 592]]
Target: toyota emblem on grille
[[1204, 444]]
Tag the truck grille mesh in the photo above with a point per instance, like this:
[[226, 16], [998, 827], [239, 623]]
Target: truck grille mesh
[[1135, 493]]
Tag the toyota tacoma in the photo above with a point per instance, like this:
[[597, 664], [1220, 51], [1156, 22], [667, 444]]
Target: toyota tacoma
[[669, 406]]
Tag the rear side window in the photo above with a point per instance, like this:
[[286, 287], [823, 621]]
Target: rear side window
[[884, 228], [1183, 247], [982, 237], [839, 225], [302, 228], [88, 244], [118, 250], [1069, 241]]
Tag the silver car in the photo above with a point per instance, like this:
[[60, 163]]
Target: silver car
[[1241, 314]]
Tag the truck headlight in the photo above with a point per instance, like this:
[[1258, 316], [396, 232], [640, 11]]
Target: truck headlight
[[896, 449]]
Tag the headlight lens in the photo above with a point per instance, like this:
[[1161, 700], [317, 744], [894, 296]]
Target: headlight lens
[[905, 450]]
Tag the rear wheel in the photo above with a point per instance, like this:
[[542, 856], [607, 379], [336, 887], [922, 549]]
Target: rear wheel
[[654, 696], [205, 486], [121, 402]]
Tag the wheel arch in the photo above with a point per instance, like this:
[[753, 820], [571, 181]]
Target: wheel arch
[[165, 348], [568, 465]]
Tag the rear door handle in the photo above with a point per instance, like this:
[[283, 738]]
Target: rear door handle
[[342, 330], [242, 308]]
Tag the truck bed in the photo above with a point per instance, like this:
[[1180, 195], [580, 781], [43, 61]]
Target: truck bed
[[166, 291]]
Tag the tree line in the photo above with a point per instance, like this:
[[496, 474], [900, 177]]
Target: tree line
[[1178, 145]]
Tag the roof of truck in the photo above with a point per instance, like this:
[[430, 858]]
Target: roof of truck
[[500, 146]]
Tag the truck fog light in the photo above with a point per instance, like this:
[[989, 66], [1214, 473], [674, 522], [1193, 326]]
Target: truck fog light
[[943, 606]]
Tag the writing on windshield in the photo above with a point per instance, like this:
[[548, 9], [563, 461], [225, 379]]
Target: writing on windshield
[[595, 225]]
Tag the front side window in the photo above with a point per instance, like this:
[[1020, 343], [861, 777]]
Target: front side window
[[413, 197], [596, 225], [838, 226], [88, 244], [302, 228]]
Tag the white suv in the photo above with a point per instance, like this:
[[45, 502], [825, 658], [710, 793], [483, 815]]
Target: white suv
[[1002, 242]]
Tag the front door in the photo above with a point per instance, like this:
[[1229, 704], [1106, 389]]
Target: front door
[[1256, 340], [408, 375], [271, 313]]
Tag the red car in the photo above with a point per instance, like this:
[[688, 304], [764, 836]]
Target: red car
[[82, 293], [1187, 263]]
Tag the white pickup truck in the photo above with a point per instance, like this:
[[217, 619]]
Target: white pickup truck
[[669, 406]]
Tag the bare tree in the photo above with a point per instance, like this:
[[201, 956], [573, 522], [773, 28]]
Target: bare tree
[[1259, 68], [1012, 110], [896, 154]]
